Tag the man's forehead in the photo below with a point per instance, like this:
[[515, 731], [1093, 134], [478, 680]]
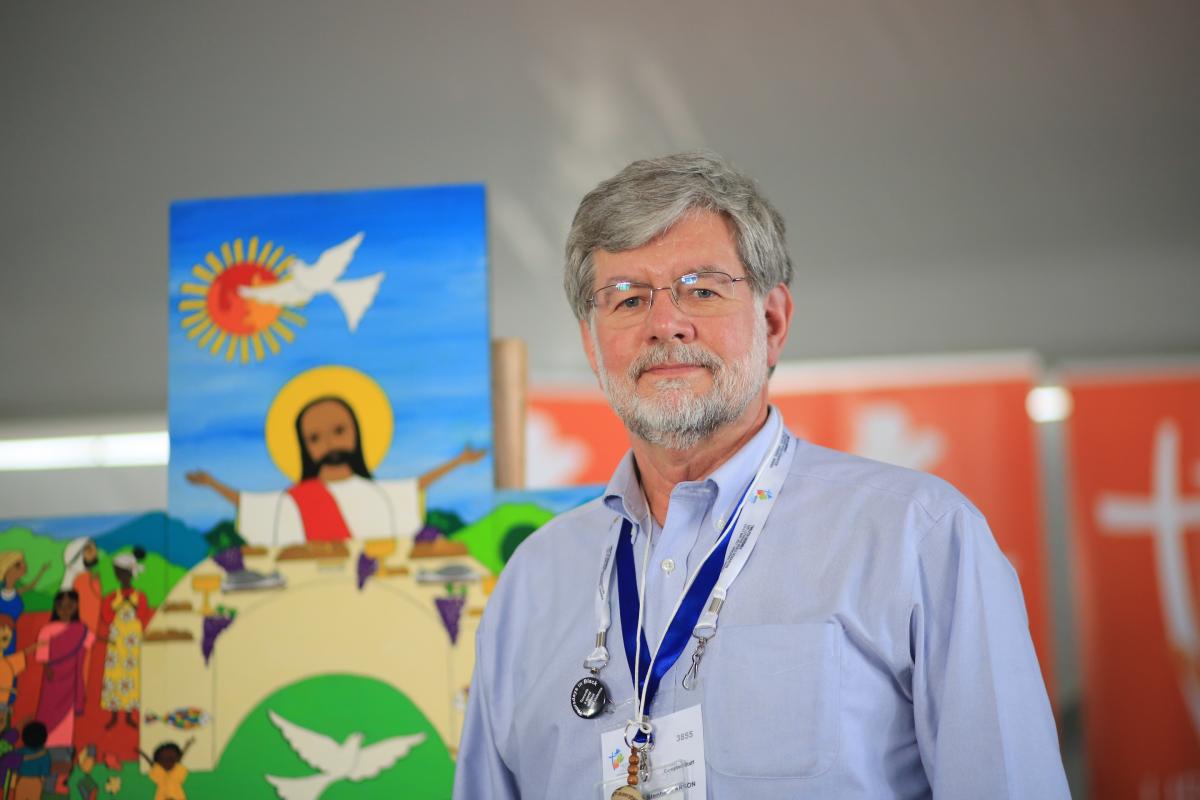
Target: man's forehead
[[699, 242]]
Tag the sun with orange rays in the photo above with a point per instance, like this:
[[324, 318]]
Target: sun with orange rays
[[223, 322]]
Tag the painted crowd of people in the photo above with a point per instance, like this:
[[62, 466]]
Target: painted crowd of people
[[38, 751]]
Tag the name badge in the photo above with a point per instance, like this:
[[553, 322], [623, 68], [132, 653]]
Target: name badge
[[676, 760]]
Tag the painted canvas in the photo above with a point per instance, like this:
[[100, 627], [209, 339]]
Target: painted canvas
[[129, 618], [300, 621], [76, 594], [330, 422]]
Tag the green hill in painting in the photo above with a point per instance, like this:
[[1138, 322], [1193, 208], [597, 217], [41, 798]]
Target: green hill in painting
[[38, 550], [159, 576], [491, 539], [334, 706]]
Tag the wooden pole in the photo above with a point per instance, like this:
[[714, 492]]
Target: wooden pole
[[509, 376]]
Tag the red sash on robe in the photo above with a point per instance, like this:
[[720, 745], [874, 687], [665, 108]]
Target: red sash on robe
[[323, 520]]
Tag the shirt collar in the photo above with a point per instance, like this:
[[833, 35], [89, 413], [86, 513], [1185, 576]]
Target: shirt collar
[[623, 494]]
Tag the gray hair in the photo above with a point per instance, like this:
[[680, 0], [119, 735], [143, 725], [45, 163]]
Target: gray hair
[[647, 198]]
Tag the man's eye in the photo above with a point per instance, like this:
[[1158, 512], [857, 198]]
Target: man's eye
[[339, 430], [628, 303], [312, 437]]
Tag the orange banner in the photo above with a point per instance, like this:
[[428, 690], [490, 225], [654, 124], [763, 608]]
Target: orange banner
[[1135, 468], [962, 419]]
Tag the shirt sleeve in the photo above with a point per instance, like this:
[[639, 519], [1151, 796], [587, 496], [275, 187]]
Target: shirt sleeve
[[407, 504], [270, 519], [480, 771], [983, 721]]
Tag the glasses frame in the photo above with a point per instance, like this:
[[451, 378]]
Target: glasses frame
[[670, 288]]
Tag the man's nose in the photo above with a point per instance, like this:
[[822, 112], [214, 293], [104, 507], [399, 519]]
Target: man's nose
[[666, 321]]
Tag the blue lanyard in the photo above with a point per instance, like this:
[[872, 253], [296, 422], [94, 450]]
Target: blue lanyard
[[678, 631]]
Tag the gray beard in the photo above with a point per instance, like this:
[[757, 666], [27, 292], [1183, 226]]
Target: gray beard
[[675, 417]]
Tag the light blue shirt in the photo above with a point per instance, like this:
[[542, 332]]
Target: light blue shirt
[[874, 646]]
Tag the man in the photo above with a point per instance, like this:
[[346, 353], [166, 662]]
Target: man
[[820, 625], [80, 558], [336, 498]]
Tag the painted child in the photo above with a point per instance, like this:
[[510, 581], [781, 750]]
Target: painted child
[[35, 763], [167, 770], [10, 667]]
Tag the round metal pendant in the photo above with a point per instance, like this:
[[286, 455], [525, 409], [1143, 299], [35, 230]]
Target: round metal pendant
[[627, 793], [589, 697]]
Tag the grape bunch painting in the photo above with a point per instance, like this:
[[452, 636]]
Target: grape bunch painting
[[450, 608]]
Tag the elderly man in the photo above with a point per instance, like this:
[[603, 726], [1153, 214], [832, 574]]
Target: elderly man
[[741, 614]]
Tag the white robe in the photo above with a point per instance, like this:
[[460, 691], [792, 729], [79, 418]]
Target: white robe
[[372, 510]]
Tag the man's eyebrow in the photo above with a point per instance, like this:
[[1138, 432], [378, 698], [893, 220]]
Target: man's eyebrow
[[690, 271], [621, 279]]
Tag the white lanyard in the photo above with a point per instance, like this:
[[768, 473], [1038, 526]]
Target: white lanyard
[[760, 496]]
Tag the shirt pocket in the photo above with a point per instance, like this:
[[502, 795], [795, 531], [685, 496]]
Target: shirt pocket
[[773, 700]]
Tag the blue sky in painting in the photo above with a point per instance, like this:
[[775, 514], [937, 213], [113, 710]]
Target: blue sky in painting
[[70, 527], [425, 339]]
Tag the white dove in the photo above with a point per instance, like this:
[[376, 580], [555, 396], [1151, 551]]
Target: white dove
[[305, 281], [347, 761]]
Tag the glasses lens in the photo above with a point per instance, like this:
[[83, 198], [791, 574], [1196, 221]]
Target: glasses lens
[[623, 301], [704, 293]]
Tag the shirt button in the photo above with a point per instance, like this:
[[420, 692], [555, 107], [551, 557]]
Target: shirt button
[[668, 565]]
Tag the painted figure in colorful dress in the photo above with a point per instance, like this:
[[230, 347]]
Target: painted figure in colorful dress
[[79, 573], [336, 497], [12, 569], [62, 648], [124, 615]]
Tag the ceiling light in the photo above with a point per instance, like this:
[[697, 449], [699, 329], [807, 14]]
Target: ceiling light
[[83, 452], [1048, 404]]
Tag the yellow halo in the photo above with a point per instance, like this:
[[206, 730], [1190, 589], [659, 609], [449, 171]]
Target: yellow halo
[[361, 393]]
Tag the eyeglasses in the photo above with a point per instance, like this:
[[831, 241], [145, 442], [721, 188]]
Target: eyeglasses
[[697, 294]]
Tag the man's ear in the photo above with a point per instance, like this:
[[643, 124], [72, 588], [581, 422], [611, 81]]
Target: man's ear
[[589, 345], [777, 308]]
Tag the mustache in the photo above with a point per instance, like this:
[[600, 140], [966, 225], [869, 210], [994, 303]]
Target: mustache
[[661, 354], [336, 457]]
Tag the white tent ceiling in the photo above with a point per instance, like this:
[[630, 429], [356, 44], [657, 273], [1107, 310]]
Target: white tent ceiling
[[956, 176]]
